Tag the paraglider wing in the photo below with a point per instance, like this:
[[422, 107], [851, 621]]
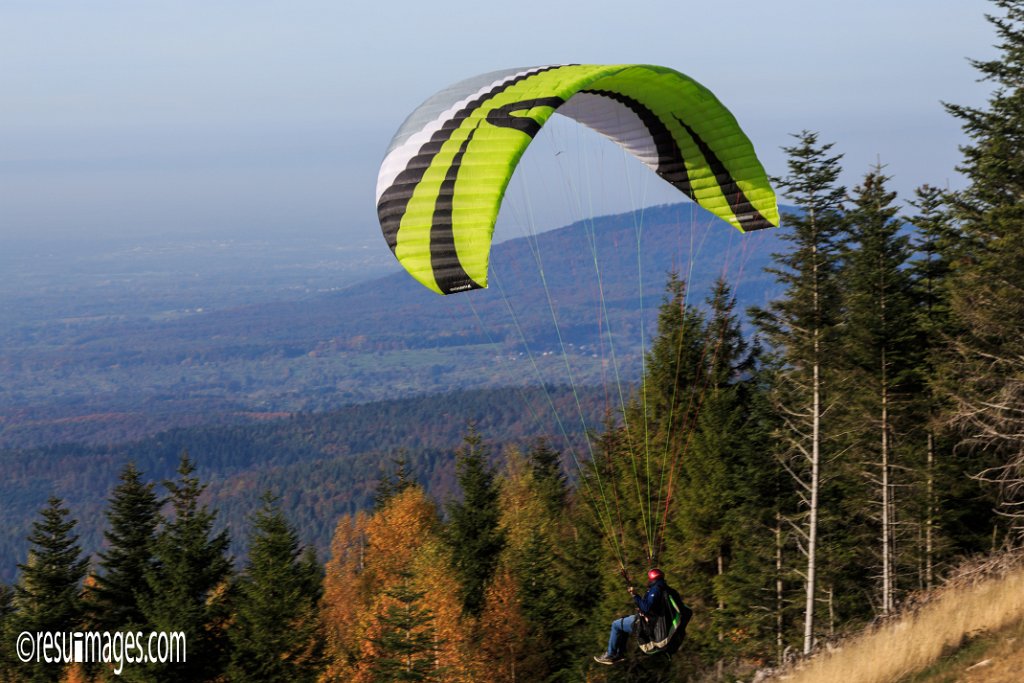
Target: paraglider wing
[[443, 177]]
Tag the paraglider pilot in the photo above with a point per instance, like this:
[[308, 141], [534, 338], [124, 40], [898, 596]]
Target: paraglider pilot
[[646, 604]]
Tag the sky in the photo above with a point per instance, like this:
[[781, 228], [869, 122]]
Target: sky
[[251, 117]]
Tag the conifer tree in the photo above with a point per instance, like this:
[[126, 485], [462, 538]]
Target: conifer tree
[[721, 505], [188, 584], [584, 565], [800, 326], [935, 243], [406, 645], [988, 296], [547, 613], [878, 357], [675, 366], [955, 515], [48, 592], [8, 633], [547, 475], [392, 485], [275, 633], [132, 519], [658, 422], [473, 533]]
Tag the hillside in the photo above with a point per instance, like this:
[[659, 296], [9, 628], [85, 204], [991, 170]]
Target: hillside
[[970, 631], [322, 465], [102, 373]]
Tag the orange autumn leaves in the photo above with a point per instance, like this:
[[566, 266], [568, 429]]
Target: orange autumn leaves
[[400, 549], [399, 543]]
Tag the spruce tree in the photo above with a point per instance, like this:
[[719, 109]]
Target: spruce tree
[[659, 421], [584, 564], [48, 592], [801, 328], [547, 613], [675, 367], [275, 633], [132, 518], [473, 532], [189, 583], [987, 371], [878, 354], [406, 646], [392, 485], [49, 589], [955, 512], [547, 476], [720, 507], [946, 492]]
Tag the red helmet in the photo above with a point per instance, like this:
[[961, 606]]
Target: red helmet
[[655, 574]]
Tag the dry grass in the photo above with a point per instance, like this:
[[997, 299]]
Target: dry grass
[[981, 599]]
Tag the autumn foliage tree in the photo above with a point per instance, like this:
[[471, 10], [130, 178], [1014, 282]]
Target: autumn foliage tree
[[391, 602]]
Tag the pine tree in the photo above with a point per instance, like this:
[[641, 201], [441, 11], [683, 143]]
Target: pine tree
[[584, 564], [801, 326], [659, 421], [473, 533], [878, 357], [275, 633], [391, 486], [547, 475], [948, 496], [48, 592], [720, 509], [543, 604], [188, 584], [675, 367], [406, 645], [987, 371], [132, 518]]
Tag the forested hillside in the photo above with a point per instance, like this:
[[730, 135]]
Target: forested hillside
[[322, 465]]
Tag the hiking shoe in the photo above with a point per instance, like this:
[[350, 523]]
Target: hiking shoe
[[607, 659]]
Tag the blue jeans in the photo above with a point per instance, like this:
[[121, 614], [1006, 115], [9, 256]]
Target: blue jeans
[[621, 628]]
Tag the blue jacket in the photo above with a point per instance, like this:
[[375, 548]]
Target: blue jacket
[[651, 598]]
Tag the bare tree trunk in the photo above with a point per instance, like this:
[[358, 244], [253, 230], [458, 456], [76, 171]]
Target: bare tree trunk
[[929, 539], [779, 604], [721, 603], [812, 524], [887, 590], [831, 611]]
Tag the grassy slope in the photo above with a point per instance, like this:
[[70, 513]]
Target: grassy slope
[[989, 658], [970, 631]]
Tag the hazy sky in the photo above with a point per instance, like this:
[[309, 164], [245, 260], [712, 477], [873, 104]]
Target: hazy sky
[[236, 116]]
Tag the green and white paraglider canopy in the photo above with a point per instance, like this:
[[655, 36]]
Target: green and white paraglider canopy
[[444, 175]]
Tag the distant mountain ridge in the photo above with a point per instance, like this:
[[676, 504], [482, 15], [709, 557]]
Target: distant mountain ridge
[[385, 338]]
